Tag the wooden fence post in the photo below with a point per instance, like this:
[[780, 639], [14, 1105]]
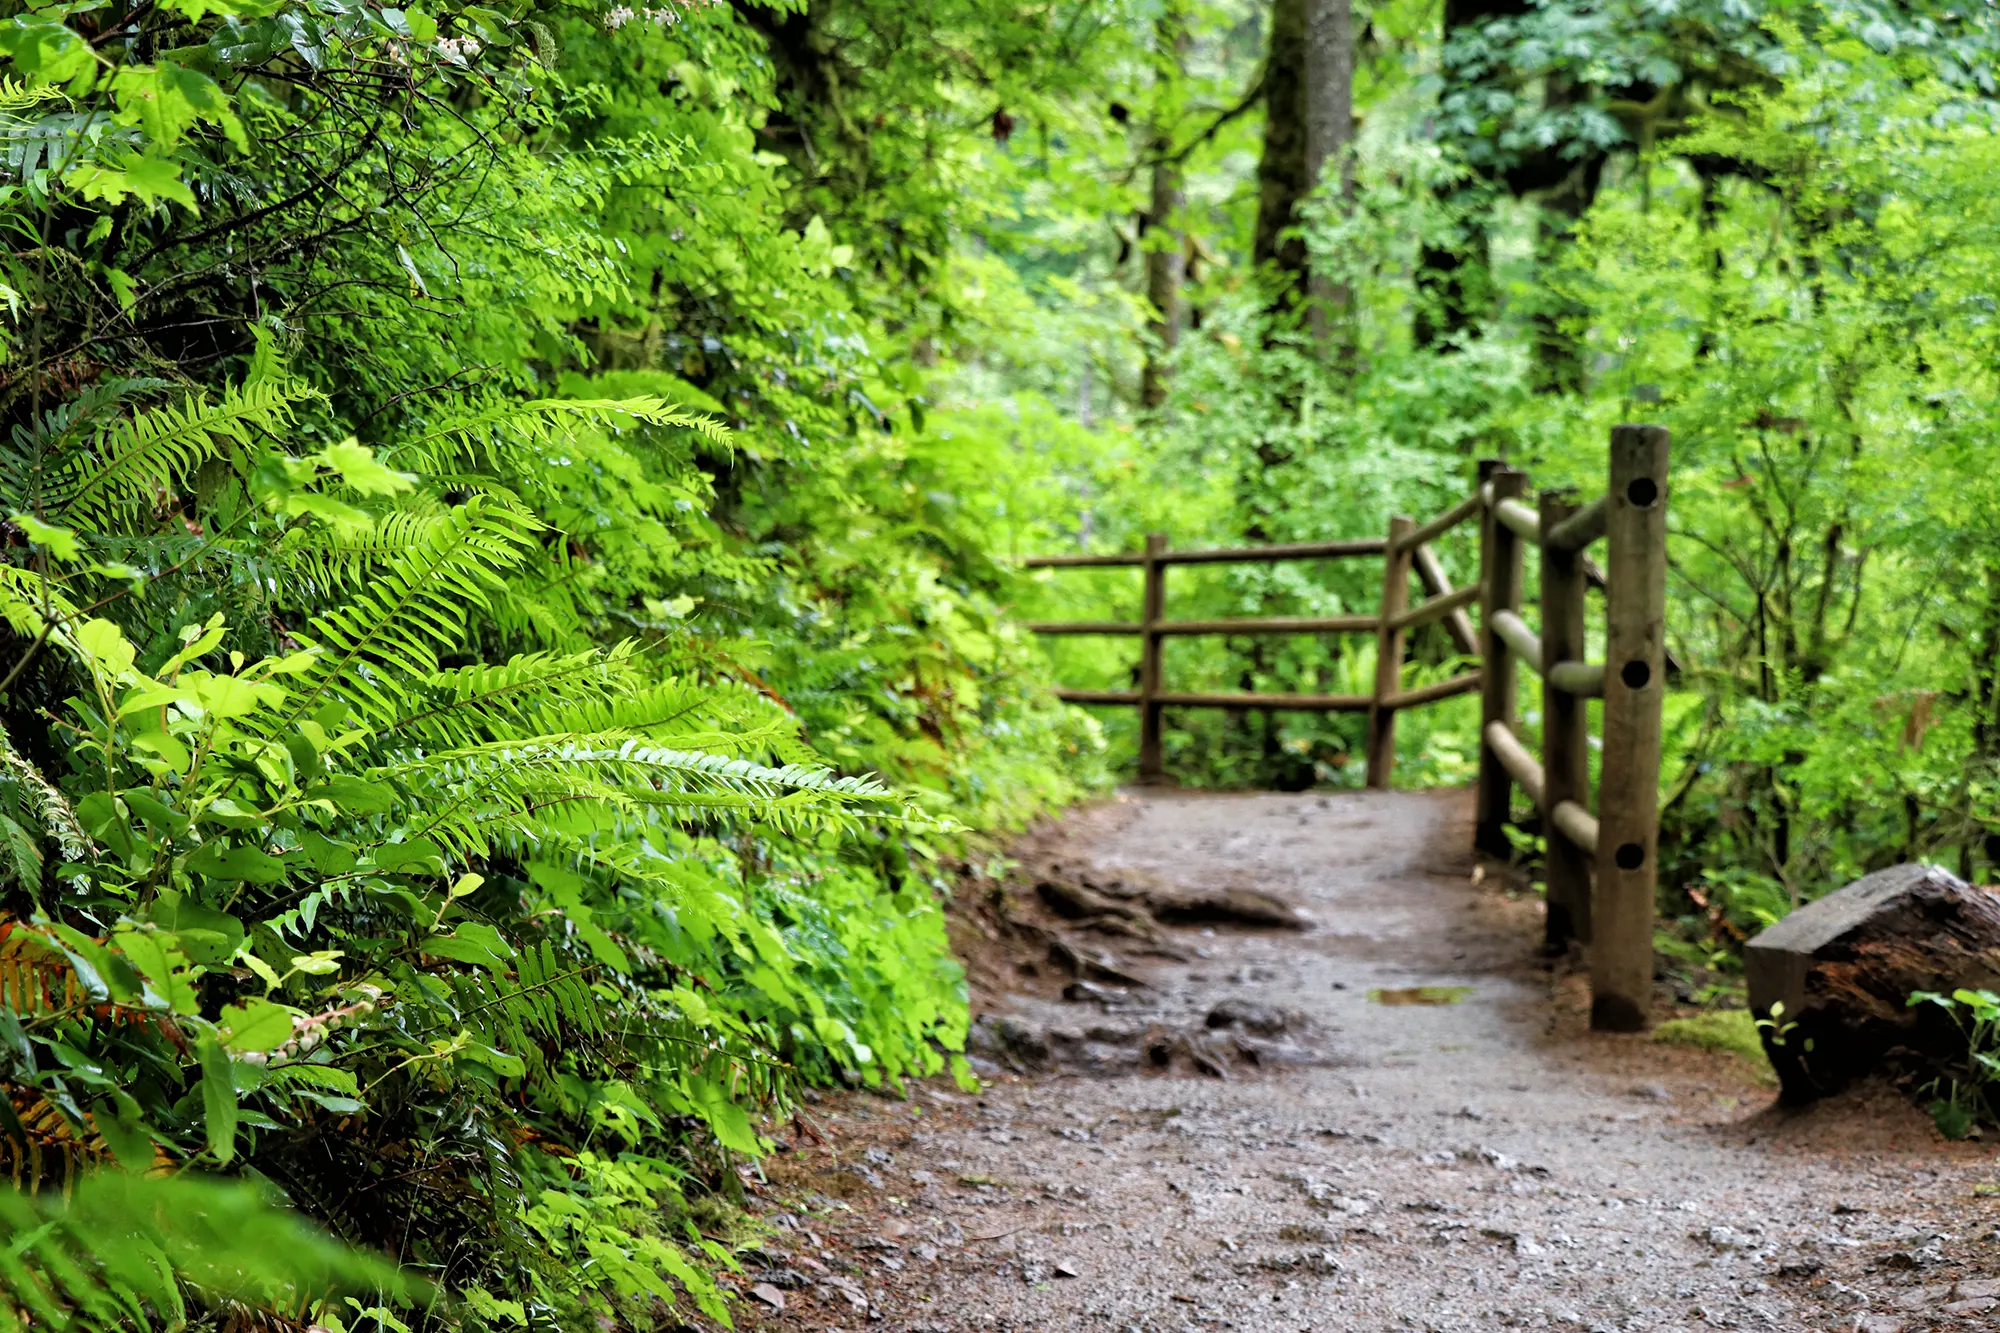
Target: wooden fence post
[[1152, 765], [1500, 590], [1565, 730], [1621, 955], [1389, 654]]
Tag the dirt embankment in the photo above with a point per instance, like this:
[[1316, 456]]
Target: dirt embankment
[[1281, 1062]]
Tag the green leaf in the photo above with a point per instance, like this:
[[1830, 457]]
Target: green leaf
[[57, 540], [104, 644], [169, 748], [416, 852], [729, 1121], [207, 936], [157, 814], [237, 863], [218, 1099], [473, 942], [256, 1025], [157, 956], [305, 759], [355, 463], [501, 1063], [354, 795], [117, 1120]]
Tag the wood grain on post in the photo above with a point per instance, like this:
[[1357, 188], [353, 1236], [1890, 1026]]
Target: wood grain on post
[[1389, 654], [1500, 584], [1565, 753], [1628, 801], [1152, 764]]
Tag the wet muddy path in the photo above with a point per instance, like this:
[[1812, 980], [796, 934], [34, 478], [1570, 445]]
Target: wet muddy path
[[1392, 1118]]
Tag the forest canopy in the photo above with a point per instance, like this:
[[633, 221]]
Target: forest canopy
[[510, 616]]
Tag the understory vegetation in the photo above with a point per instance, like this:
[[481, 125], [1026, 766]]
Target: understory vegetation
[[509, 617]]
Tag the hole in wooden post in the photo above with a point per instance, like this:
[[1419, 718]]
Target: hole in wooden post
[[1642, 492], [1630, 856], [1635, 674]]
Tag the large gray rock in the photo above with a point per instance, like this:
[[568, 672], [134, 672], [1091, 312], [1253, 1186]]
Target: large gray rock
[[1844, 968]]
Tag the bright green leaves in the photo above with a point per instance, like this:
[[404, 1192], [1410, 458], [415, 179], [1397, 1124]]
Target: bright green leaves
[[724, 1116], [44, 50], [218, 1099], [161, 964], [60, 542], [256, 1026], [217, 860], [166, 100], [473, 942]]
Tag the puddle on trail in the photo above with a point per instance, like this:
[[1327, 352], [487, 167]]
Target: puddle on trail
[[1420, 994]]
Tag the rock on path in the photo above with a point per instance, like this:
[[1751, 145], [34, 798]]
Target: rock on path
[[1477, 1165]]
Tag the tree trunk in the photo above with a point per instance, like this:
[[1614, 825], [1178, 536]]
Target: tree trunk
[[1164, 246], [1282, 179], [1329, 131]]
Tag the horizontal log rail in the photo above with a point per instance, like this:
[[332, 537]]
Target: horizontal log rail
[[1363, 546], [1070, 696], [1580, 529], [1405, 554], [1514, 632], [1599, 864], [1577, 824], [1443, 689], [1297, 703], [1263, 625], [1437, 608], [1273, 625], [1112, 627], [1583, 679], [1517, 516], [1439, 526], [1522, 766]]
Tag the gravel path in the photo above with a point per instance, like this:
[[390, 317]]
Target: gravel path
[[1473, 1165]]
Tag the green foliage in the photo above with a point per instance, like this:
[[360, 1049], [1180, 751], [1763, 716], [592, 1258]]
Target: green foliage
[[1959, 1104], [122, 1251], [486, 690]]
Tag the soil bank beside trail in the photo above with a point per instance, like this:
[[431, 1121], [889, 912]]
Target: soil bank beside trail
[[1479, 1164]]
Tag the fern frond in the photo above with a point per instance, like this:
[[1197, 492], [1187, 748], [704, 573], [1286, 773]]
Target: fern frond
[[546, 697], [502, 437], [30, 601], [118, 1251], [396, 626], [330, 560], [513, 700], [40, 800], [520, 794], [145, 456]]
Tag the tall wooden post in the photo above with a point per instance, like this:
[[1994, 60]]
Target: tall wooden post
[[1500, 590], [1621, 955], [1152, 764], [1389, 654], [1565, 729]]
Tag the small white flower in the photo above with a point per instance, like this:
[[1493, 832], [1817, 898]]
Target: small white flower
[[618, 18]]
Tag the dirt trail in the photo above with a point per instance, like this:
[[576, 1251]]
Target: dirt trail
[[1476, 1165]]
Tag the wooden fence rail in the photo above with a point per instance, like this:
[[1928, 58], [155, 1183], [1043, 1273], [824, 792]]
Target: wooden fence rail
[[1600, 865]]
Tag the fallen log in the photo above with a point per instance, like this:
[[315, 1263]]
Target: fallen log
[[1841, 971]]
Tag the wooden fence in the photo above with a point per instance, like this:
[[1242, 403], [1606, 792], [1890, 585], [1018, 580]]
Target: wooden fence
[[1601, 868]]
